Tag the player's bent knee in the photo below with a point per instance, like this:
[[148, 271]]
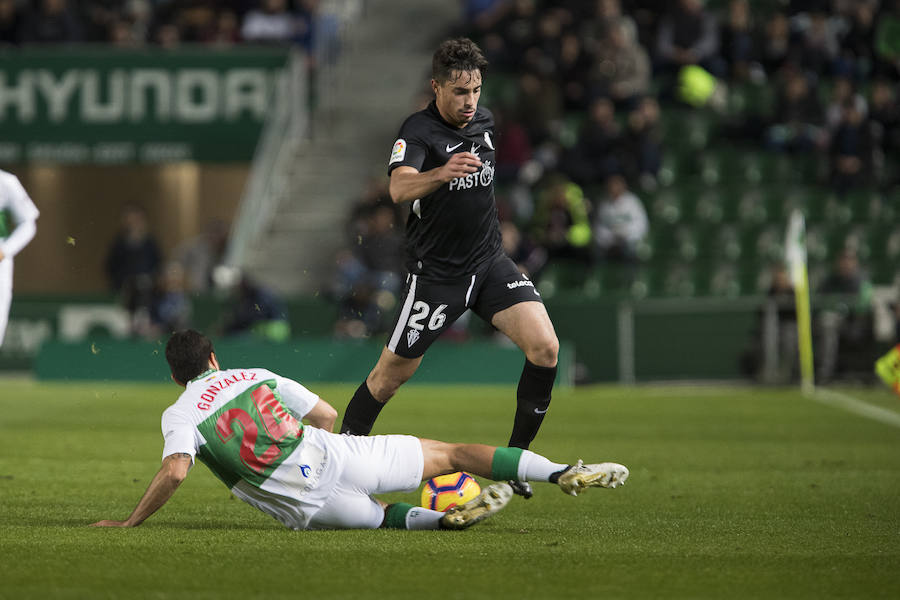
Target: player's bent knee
[[545, 353]]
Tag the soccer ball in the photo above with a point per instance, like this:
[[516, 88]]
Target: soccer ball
[[446, 491]]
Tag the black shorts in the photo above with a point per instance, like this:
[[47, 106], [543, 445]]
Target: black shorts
[[429, 307]]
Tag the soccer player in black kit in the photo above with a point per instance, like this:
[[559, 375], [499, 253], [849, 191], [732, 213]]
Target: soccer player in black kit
[[442, 164]]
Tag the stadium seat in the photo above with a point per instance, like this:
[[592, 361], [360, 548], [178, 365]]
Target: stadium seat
[[709, 206], [560, 275], [688, 129], [722, 280], [664, 208], [751, 275], [753, 207], [751, 99]]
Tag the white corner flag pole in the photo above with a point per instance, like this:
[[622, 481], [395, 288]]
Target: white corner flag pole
[[795, 255]]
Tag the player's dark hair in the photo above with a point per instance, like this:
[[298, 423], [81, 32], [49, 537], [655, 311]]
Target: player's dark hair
[[461, 55], [187, 353]]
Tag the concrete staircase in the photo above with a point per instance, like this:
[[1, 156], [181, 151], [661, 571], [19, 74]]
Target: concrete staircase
[[386, 59]]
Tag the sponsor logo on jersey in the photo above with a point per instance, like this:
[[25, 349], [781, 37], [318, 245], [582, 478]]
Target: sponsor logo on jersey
[[482, 178], [450, 148], [521, 283], [304, 470], [398, 152], [412, 336]]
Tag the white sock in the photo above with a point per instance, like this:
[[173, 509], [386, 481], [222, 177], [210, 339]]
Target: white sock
[[423, 518], [534, 467]]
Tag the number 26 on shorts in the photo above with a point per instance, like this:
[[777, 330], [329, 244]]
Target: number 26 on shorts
[[420, 313]]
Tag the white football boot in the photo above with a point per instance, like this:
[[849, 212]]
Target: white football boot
[[580, 476], [489, 501]]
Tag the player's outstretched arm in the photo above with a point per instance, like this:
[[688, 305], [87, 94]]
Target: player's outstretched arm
[[170, 475], [409, 184], [322, 416]]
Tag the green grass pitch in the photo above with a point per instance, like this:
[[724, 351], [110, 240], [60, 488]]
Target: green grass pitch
[[734, 493]]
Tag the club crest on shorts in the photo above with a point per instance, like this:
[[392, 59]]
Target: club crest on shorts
[[412, 336]]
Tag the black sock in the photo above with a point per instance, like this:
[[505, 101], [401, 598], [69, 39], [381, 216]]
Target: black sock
[[361, 412], [532, 401], [554, 477]]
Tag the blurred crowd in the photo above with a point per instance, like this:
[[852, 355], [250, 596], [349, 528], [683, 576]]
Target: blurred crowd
[[158, 289], [165, 23]]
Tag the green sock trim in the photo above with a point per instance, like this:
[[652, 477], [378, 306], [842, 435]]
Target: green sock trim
[[395, 515], [505, 464]]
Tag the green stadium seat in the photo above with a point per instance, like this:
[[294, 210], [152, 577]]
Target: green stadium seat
[[864, 205], [751, 275], [679, 281], [688, 129], [753, 207], [770, 243], [559, 276], [720, 242], [722, 281], [709, 206], [884, 272], [751, 99], [817, 243], [665, 207]]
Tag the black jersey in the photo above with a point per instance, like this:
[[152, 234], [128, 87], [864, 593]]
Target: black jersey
[[452, 231]]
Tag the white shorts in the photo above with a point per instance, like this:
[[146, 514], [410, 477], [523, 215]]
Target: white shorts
[[6, 281], [367, 465]]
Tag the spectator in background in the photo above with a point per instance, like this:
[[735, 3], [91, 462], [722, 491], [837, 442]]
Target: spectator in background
[[622, 68], [818, 43], [642, 156], [560, 223], [688, 35], [885, 117], [858, 43], [775, 47], [257, 312], [513, 147], [51, 22], [539, 107], [483, 14], [596, 152], [200, 255], [375, 195], [621, 223], [133, 260], [170, 308], [781, 306], [528, 256], [842, 92], [572, 72], [369, 274], [799, 114], [167, 35], [851, 149], [845, 322], [271, 22], [227, 30], [608, 15], [517, 30], [738, 42], [10, 23]]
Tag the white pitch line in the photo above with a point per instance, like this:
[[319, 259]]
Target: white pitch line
[[855, 405]]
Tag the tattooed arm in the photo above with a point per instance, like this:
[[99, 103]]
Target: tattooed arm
[[172, 472]]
